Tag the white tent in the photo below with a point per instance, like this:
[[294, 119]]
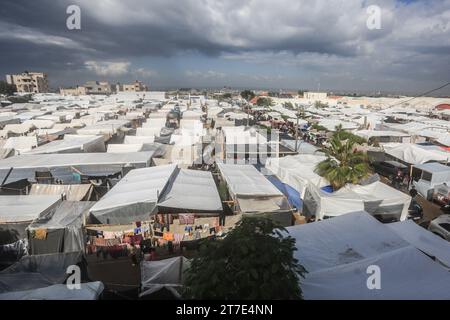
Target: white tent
[[337, 253], [72, 144], [424, 240], [21, 144], [415, 154], [251, 190], [71, 192], [134, 197], [168, 273], [297, 171], [87, 291], [18, 212], [138, 139], [376, 198], [202, 196], [153, 131]]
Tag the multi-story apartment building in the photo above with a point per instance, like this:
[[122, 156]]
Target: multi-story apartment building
[[136, 86], [98, 87], [29, 82]]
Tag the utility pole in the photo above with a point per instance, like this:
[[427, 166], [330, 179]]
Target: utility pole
[[300, 113]]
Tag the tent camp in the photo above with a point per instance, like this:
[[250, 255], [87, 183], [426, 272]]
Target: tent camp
[[376, 198], [18, 212], [60, 230], [134, 197], [168, 273], [338, 252]]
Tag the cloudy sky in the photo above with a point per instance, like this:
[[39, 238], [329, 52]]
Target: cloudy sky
[[238, 43]]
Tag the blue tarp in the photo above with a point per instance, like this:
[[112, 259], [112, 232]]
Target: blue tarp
[[291, 194]]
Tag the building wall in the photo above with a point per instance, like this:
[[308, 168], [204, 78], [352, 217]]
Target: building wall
[[29, 82], [136, 86], [315, 95], [78, 91]]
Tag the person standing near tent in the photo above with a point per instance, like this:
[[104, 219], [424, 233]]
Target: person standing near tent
[[133, 254]]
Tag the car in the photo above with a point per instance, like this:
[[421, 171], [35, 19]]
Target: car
[[390, 169], [441, 226]]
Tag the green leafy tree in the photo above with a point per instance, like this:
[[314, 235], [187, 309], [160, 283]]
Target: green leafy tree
[[6, 88], [254, 261], [264, 102], [247, 95], [346, 135], [344, 164]]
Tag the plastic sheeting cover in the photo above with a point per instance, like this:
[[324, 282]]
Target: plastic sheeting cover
[[134, 197]]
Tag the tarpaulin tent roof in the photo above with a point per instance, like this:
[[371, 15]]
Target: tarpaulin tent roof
[[415, 154], [134, 197], [72, 192], [138, 139], [72, 144], [37, 271], [252, 191], [423, 240], [435, 167], [337, 252], [25, 208], [64, 228], [376, 198], [87, 291], [21, 144], [297, 171], [60, 165], [202, 196], [245, 180], [167, 273]]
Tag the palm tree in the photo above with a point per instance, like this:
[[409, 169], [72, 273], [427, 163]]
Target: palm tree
[[344, 164]]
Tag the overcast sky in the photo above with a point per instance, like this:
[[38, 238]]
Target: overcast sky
[[237, 43]]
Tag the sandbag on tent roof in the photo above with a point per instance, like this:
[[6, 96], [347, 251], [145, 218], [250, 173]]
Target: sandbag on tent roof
[[423, 240], [376, 198], [72, 192], [87, 291], [63, 228], [168, 273], [17, 213], [72, 144], [134, 197], [337, 252], [202, 196], [297, 171]]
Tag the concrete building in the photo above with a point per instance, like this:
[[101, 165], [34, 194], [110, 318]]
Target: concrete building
[[136, 86], [29, 82], [77, 91], [315, 96], [98, 87]]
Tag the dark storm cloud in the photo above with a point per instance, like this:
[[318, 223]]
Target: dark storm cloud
[[33, 34]]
